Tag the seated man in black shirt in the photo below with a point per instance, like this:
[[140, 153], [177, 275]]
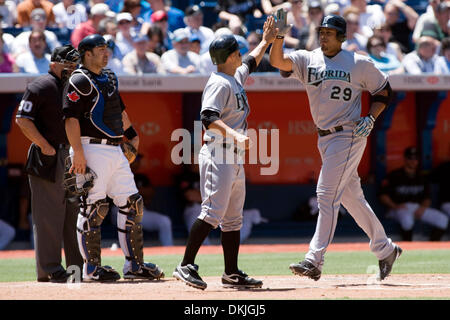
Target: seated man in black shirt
[[406, 192]]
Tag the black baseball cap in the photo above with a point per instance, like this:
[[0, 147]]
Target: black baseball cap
[[192, 10], [411, 153], [66, 53]]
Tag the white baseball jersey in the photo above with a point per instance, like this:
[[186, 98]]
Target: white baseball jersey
[[225, 94], [334, 85]]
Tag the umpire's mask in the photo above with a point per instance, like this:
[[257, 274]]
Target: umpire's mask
[[69, 57]]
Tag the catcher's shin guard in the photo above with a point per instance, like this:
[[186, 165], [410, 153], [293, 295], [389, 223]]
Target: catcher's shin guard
[[90, 219], [130, 230]]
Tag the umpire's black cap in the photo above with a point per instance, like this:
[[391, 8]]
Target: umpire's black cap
[[65, 53], [90, 42], [222, 47]]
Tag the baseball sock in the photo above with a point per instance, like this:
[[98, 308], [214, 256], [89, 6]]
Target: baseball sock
[[230, 244], [199, 231]]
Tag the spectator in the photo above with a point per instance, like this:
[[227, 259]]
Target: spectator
[[401, 29], [406, 194], [7, 64], [253, 40], [36, 60], [137, 8], [107, 26], [354, 40], [114, 63], [271, 6], [140, 61], [392, 48], [332, 8], [370, 16], [25, 8], [297, 18], [235, 12], [385, 62], [98, 12], [38, 23], [174, 15], [151, 220], [194, 21], [156, 43], [124, 37], [8, 13], [180, 60], [69, 14], [195, 44], [438, 28], [424, 59], [307, 36], [445, 51], [159, 19], [428, 17]]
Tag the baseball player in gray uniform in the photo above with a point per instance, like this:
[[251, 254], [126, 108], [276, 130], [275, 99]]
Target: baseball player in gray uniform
[[222, 183], [334, 80]]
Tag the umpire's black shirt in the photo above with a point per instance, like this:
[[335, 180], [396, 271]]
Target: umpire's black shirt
[[42, 103]]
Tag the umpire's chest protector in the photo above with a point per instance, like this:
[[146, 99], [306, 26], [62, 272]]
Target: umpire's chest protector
[[103, 105]]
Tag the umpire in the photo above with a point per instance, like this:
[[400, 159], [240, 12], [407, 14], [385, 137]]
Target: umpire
[[40, 118]]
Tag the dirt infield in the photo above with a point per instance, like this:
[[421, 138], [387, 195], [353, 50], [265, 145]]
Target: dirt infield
[[275, 287], [361, 286]]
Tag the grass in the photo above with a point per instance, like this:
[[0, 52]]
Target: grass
[[417, 261]]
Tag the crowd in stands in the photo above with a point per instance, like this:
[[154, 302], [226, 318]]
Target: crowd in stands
[[157, 36]]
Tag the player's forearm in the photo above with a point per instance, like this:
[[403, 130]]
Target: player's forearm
[[31, 132], [259, 51], [277, 57], [220, 127], [376, 109], [73, 132], [129, 131]]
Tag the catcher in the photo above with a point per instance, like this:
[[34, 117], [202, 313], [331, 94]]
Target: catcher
[[95, 123]]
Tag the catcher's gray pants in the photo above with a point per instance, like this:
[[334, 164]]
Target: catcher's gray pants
[[54, 222], [339, 183]]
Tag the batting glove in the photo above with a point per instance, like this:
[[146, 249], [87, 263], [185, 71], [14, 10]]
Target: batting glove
[[364, 126], [281, 23]]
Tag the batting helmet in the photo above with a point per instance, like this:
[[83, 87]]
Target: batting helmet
[[91, 42], [222, 47], [335, 22], [77, 185]]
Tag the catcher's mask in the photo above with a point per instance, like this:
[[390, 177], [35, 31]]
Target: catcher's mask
[[78, 184]]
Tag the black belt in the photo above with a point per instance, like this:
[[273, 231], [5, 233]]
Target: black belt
[[227, 146], [105, 141], [323, 133], [64, 146]]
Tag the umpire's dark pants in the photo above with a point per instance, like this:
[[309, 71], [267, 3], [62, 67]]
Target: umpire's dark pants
[[54, 222]]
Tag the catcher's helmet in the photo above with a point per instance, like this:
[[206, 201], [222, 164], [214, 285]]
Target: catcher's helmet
[[222, 47], [335, 22], [90, 42], [77, 185]]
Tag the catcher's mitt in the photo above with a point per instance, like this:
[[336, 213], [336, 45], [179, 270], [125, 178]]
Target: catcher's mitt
[[129, 151]]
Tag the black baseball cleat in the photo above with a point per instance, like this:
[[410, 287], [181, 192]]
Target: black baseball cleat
[[386, 264], [307, 269], [147, 271], [103, 274], [60, 276], [240, 280], [189, 275]]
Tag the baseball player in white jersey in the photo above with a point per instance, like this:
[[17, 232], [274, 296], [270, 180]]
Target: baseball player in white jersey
[[222, 179], [334, 80]]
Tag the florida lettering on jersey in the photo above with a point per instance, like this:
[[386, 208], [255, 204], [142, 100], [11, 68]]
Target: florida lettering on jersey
[[316, 75]]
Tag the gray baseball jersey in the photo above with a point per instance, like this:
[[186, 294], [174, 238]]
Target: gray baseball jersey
[[222, 185], [334, 86], [226, 95]]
